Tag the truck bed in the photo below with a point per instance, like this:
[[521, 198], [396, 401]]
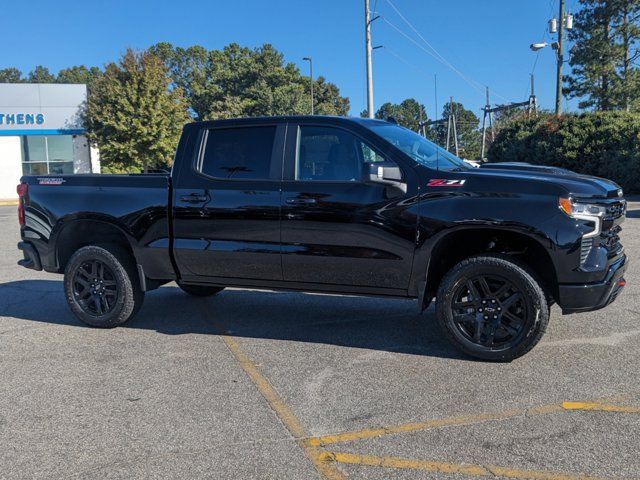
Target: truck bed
[[137, 204]]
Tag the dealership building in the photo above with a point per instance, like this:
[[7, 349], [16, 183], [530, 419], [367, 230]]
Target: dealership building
[[41, 133]]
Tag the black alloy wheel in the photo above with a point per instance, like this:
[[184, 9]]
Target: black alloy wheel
[[489, 310], [95, 288], [102, 285], [492, 307]]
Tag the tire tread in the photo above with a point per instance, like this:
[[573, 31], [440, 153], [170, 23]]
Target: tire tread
[[534, 290]]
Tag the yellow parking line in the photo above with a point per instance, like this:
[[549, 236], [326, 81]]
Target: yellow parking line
[[429, 424], [395, 462], [470, 420], [599, 407], [8, 203], [451, 468], [327, 470]]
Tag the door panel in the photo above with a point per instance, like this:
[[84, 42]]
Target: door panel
[[350, 232], [230, 227]]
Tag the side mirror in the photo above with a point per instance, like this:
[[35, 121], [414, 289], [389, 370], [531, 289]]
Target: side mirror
[[387, 173]]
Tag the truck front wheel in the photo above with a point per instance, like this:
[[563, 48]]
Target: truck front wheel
[[492, 308], [102, 287]]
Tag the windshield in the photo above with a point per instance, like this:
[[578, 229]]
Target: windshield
[[419, 148]]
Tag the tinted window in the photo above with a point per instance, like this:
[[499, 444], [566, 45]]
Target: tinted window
[[239, 152], [326, 153], [419, 148]]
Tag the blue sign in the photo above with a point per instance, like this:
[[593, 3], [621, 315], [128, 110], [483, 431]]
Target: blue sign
[[21, 118]]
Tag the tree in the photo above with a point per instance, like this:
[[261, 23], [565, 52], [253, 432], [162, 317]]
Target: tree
[[628, 34], [327, 99], [469, 137], [41, 74], [605, 36], [409, 113], [133, 116], [238, 82], [79, 74], [604, 144], [11, 75]]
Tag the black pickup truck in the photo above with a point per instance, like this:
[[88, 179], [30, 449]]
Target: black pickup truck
[[341, 205]]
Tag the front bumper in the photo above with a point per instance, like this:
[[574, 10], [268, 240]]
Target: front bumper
[[593, 296], [31, 257]]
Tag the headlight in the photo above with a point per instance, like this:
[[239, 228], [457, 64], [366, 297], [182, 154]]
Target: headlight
[[584, 211]]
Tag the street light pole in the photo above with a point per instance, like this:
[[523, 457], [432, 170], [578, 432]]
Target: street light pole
[[367, 23], [310, 60], [560, 56]]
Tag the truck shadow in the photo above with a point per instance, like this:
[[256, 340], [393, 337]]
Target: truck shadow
[[392, 325]]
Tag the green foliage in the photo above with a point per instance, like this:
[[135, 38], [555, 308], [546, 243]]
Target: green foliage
[[79, 74], [133, 116], [469, 137], [409, 113], [606, 38], [604, 144], [11, 75], [41, 74], [242, 82]]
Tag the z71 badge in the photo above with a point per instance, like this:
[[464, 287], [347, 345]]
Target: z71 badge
[[442, 182]]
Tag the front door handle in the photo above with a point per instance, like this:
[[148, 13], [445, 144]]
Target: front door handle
[[194, 198], [301, 201]]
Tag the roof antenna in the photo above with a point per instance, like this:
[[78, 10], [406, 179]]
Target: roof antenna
[[392, 120]]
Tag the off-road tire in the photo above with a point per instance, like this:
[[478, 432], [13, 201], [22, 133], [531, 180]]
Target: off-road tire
[[123, 270], [537, 317]]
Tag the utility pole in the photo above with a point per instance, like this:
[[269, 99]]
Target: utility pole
[[560, 56], [451, 124], [533, 102], [487, 111], [367, 24], [310, 60]]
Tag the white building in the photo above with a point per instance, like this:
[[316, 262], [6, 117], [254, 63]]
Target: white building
[[41, 133]]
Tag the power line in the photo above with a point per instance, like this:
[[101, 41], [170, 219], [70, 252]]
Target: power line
[[406, 62], [475, 84], [428, 52]]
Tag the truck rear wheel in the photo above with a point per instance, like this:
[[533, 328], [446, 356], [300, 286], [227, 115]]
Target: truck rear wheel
[[200, 290], [492, 308], [102, 287]]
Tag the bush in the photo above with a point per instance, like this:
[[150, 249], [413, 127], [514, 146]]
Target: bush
[[604, 144]]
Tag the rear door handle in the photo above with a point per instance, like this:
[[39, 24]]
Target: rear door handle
[[194, 198], [301, 201]]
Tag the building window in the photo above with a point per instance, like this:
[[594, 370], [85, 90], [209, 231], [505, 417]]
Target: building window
[[43, 155]]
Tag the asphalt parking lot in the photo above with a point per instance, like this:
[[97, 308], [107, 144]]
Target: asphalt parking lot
[[253, 384]]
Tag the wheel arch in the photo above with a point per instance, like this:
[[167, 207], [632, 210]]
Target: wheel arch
[[81, 232], [452, 247]]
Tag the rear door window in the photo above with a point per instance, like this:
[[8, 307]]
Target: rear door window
[[238, 153]]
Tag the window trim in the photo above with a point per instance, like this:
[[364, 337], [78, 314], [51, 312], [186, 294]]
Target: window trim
[[200, 147], [296, 151]]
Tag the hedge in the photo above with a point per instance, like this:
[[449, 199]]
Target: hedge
[[604, 144]]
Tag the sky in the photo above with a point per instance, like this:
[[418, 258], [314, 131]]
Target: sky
[[478, 42]]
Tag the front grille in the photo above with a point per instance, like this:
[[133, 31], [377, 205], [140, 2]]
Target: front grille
[[615, 210]]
